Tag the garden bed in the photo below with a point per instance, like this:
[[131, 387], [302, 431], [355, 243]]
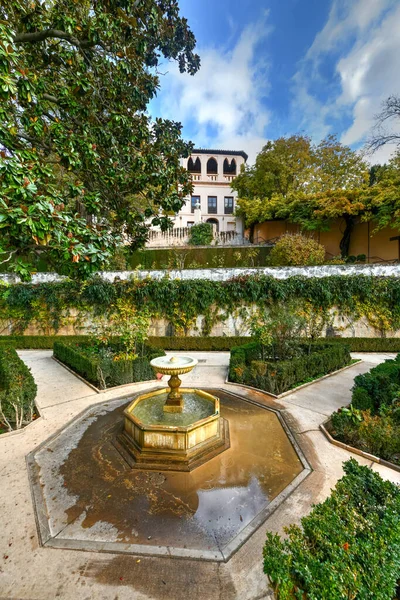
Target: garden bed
[[371, 423], [348, 546], [311, 361], [17, 393], [103, 366]]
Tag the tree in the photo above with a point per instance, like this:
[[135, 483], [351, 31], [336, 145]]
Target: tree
[[81, 162], [382, 197], [317, 185], [380, 136]]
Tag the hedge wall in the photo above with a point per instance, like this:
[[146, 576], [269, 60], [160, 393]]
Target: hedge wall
[[348, 547], [199, 343], [17, 390], [247, 367], [106, 373], [43, 342]]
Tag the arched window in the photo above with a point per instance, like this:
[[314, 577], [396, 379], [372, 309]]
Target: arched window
[[194, 166], [212, 167], [230, 168]]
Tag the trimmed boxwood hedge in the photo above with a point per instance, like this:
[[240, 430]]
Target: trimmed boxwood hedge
[[44, 342], [348, 547], [17, 390], [372, 422], [317, 359], [214, 343], [106, 373]]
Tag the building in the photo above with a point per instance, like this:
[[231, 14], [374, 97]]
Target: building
[[212, 173]]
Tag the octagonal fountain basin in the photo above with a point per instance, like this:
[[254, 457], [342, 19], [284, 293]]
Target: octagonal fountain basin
[[87, 497], [155, 439]]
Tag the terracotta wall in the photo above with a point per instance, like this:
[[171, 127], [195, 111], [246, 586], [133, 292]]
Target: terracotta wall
[[377, 246]]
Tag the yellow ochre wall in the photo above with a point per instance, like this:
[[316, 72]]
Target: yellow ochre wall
[[377, 246]]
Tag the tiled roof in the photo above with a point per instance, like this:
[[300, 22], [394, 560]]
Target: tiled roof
[[226, 152]]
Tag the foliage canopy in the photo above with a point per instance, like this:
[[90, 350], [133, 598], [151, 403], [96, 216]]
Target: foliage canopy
[[81, 162]]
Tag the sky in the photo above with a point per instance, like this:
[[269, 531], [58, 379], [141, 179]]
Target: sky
[[273, 68]]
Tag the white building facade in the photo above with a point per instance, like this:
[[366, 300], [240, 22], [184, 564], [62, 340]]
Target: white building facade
[[212, 173]]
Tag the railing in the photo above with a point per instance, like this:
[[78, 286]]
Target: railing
[[179, 236]]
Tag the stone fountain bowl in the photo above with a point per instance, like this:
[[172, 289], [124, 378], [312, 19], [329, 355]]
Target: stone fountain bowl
[[181, 446], [176, 365]]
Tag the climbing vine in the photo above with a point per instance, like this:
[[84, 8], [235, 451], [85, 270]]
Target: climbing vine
[[50, 306]]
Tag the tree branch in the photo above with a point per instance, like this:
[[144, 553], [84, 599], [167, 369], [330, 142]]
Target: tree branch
[[40, 36], [9, 258]]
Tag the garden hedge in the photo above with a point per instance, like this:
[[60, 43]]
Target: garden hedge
[[106, 373], [17, 390], [317, 359], [43, 342], [348, 547], [372, 423], [199, 343]]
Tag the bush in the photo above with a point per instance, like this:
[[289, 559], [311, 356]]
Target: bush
[[43, 342], [348, 547], [100, 369], [201, 234], [17, 390], [376, 399], [276, 377], [293, 250], [379, 387]]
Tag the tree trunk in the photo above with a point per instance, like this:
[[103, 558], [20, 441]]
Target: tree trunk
[[345, 241], [251, 233]]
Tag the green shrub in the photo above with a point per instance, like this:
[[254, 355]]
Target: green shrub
[[43, 342], [381, 385], [201, 234], [348, 547], [247, 366], [377, 431], [296, 250], [379, 344], [100, 369], [362, 400], [17, 390]]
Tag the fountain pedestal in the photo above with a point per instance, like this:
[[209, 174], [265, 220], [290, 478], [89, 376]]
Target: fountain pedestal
[[174, 401]]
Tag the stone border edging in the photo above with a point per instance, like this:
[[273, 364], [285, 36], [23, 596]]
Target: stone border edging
[[367, 455], [300, 387]]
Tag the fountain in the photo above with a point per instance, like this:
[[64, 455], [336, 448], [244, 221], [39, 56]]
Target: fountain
[[175, 428]]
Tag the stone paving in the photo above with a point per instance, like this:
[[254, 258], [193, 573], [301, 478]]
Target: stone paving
[[31, 572]]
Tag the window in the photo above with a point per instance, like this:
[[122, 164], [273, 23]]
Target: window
[[212, 205], [228, 205], [230, 169], [212, 167], [190, 223], [194, 201], [194, 166]]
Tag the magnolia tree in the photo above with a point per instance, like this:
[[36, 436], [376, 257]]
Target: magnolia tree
[[82, 165]]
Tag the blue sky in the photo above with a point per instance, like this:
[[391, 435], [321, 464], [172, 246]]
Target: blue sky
[[279, 67]]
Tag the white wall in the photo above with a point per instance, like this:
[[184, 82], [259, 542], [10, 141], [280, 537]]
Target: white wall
[[212, 185]]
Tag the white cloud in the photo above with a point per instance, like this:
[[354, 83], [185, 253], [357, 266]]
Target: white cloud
[[223, 101], [364, 38]]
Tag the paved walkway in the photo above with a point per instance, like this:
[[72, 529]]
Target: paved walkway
[[31, 572]]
